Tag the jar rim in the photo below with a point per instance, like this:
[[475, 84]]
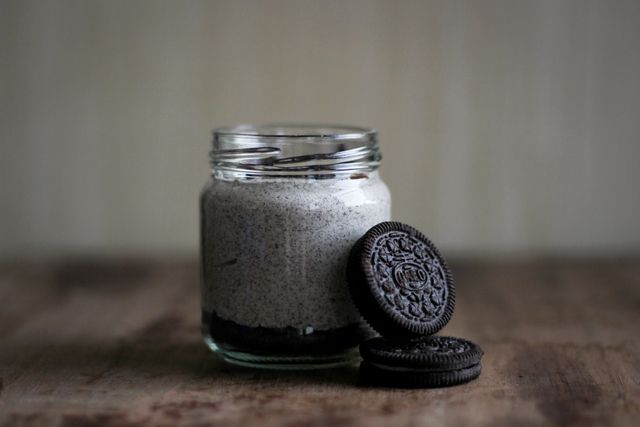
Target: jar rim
[[297, 130], [293, 150]]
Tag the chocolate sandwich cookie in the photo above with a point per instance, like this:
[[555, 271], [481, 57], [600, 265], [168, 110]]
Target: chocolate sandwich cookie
[[435, 361], [399, 282]]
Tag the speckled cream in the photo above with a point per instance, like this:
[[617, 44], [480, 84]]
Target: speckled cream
[[275, 250]]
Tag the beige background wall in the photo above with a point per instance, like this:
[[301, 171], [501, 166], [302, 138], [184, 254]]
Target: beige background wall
[[507, 126]]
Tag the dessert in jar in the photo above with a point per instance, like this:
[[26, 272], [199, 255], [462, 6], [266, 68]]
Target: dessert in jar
[[279, 215]]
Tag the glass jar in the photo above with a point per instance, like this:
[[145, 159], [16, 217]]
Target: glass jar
[[279, 215]]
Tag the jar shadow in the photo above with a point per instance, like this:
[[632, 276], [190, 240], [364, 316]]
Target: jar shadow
[[191, 364]]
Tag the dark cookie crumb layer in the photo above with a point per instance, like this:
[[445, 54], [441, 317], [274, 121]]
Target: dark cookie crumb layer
[[287, 341]]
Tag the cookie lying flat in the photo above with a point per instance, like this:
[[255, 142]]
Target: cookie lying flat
[[399, 282], [435, 361]]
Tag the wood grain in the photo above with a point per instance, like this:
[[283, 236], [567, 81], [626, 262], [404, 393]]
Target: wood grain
[[116, 343]]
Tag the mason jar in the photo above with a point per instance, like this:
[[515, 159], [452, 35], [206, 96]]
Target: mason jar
[[279, 215]]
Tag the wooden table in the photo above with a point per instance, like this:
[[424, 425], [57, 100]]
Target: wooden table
[[116, 343]]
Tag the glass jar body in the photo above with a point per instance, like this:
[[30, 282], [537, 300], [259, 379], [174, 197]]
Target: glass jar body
[[274, 256]]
